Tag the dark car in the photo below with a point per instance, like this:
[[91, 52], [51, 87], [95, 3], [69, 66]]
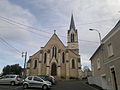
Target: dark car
[[48, 78]]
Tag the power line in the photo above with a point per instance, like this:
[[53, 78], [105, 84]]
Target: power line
[[96, 21], [78, 25], [22, 27], [6, 45], [10, 45], [3, 40], [55, 26], [7, 20]]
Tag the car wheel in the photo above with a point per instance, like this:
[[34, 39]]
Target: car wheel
[[25, 86], [45, 87], [12, 83]]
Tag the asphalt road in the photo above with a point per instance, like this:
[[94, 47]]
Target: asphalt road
[[63, 85]]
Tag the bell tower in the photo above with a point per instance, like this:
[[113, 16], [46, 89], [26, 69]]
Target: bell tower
[[72, 37]]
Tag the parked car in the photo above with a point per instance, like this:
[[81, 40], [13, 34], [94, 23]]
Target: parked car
[[48, 78], [37, 82], [11, 79]]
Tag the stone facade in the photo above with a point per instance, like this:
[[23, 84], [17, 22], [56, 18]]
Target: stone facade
[[106, 60], [57, 59]]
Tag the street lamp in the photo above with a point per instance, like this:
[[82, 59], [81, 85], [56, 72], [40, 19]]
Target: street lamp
[[98, 34]]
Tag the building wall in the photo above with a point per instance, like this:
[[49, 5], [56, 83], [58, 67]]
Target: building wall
[[34, 70], [108, 61], [114, 60], [74, 72], [95, 70], [65, 68], [71, 52]]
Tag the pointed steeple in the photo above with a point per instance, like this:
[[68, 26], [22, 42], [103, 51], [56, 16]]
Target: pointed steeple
[[72, 37], [72, 25]]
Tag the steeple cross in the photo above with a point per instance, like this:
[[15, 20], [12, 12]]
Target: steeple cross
[[54, 31]]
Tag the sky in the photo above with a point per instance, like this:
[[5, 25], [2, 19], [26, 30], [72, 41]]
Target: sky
[[27, 25]]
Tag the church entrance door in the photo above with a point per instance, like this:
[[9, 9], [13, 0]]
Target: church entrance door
[[53, 69]]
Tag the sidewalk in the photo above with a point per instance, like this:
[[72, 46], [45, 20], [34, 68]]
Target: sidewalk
[[92, 85]]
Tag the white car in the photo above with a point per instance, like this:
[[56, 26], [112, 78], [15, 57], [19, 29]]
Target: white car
[[11, 79], [37, 82]]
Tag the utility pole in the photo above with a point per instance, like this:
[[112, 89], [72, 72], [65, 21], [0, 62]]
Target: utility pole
[[24, 54]]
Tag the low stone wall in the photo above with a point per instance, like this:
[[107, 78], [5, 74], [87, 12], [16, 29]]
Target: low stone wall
[[97, 81]]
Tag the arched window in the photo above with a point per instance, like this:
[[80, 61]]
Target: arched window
[[72, 38], [54, 52], [35, 64], [45, 57], [73, 64], [63, 57]]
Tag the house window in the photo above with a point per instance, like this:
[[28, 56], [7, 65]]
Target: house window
[[63, 57], [54, 52], [73, 64], [35, 64], [98, 63], [110, 50], [45, 57], [72, 37]]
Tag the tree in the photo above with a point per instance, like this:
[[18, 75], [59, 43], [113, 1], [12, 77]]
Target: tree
[[12, 69]]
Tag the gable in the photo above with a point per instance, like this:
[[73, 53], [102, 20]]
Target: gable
[[54, 41]]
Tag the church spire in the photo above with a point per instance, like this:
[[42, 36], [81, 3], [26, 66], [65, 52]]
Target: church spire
[[73, 37], [72, 25]]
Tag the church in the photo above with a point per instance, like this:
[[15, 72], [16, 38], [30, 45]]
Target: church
[[56, 59]]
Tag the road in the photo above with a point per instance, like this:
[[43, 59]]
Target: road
[[63, 85]]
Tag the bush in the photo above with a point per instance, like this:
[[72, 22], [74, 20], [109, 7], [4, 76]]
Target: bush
[[73, 78], [62, 77]]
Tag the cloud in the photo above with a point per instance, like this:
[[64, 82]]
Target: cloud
[[48, 15], [18, 14], [12, 33], [97, 14]]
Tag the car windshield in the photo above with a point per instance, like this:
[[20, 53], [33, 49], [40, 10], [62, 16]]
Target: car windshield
[[44, 77], [19, 77]]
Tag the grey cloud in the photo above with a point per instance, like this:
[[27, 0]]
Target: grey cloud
[[99, 14]]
